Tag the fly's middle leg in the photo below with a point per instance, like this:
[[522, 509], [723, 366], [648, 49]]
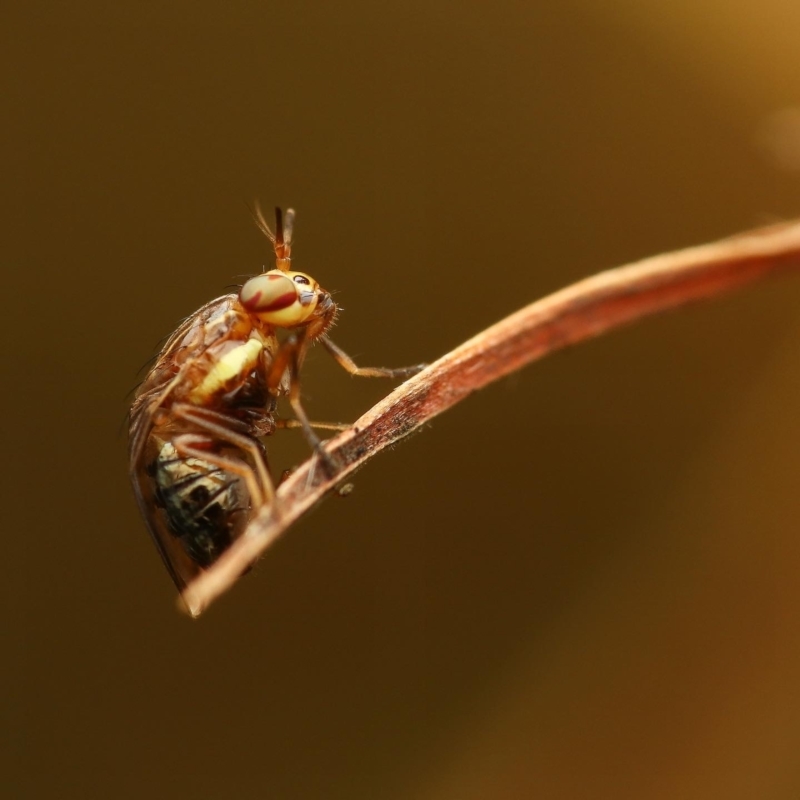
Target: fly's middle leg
[[295, 424]]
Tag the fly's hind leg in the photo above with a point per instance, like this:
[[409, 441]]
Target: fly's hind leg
[[257, 478], [190, 444]]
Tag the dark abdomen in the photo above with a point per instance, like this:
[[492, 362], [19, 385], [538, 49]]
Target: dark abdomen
[[205, 507]]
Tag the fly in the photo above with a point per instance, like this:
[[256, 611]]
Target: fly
[[198, 464]]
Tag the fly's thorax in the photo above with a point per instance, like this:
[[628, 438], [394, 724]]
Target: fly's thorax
[[223, 368]]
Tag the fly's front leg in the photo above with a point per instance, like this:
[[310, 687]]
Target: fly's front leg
[[287, 360], [347, 363]]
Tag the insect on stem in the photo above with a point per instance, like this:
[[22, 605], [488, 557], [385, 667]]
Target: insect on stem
[[577, 313], [198, 462]]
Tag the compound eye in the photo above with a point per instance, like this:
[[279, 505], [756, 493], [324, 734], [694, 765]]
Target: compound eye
[[268, 293]]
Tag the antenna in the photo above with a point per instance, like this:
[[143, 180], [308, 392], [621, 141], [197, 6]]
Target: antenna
[[282, 238]]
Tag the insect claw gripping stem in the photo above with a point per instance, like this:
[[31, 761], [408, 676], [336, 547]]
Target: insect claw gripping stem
[[407, 372], [328, 463]]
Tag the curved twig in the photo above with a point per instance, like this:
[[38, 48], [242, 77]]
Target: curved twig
[[579, 312]]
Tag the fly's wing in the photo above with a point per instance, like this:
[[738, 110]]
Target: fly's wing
[[182, 569], [205, 312], [170, 370]]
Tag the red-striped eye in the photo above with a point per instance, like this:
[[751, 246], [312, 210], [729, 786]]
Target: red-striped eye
[[267, 293]]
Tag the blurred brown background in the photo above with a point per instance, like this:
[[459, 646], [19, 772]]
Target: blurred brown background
[[582, 582]]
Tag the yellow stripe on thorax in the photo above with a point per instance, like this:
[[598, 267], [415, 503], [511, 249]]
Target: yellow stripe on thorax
[[239, 361]]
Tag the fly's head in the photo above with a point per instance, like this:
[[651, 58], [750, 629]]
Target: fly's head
[[287, 299], [282, 297]]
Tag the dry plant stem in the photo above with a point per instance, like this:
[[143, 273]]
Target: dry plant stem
[[579, 312]]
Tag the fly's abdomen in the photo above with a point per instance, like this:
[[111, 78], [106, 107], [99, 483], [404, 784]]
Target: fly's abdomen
[[205, 507]]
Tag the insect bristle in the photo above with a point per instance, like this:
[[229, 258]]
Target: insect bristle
[[261, 223]]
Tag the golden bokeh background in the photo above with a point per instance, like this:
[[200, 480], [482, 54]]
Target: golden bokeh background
[[582, 582]]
